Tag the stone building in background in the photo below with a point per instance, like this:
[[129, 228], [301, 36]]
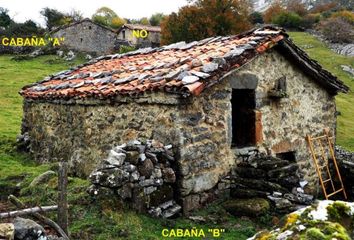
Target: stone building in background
[[87, 36], [215, 101], [140, 35]]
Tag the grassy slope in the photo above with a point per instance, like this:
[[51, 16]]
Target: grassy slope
[[331, 61], [88, 220]]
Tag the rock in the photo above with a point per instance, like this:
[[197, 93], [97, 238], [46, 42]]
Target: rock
[[247, 207], [115, 159], [132, 157], [261, 185], [88, 57], [70, 56], [163, 194], [7, 231], [169, 175], [281, 203], [134, 176], [270, 163], [125, 191], [283, 171], [147, 182], [129, 168], [146, 168], [110, 177], [26, 229], [250, 172], [210, 67], [239, 192], [149, 190], [171, 211], [43, 178], [36, 53]]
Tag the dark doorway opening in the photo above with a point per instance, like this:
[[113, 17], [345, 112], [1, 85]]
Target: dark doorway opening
[[290, 156], [243, 117]]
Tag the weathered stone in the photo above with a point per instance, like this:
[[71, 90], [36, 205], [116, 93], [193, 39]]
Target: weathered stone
[[247, 193], [42, 178], [147, 182], [261, 185], [281, 203], [250, 172], [199, 183], [169, 175], [134, 176], [132, 157], [115, 158], [27, 229], [110, 178], [149, 190], [157, 173], [7, 231], [146, 168], [163, 194], [283, 171], [270, 164], [171, 211], [125, 191], [190, 203], [247, 207], [129, 168]]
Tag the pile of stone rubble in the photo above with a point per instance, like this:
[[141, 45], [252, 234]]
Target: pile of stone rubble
[[141, 174], [270, 178]]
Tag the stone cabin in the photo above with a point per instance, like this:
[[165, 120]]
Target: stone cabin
[[140, 35], [214, 100], [87, 36]]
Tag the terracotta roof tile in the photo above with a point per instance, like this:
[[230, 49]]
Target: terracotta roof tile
[[181, 68]]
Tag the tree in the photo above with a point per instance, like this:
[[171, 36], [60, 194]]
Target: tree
[[28, 28], [297, 7], [287, 20], [107, 17], [274, 10], [155, 19], [256, 17], [53, 18], [144, 21], [75, 15], [117, 22], [205, 18], [5, 19]]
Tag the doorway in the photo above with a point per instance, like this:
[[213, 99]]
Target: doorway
[[243, 118]]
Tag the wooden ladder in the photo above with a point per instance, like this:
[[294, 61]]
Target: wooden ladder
[[320, 156]]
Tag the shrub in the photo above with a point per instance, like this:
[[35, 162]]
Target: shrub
[[288, 20], [345, 14], [256, 17], [337, 30], [310, 20], [274, 10]]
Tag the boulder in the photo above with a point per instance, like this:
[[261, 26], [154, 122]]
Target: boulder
[[109, 177], [42, 178], [252, 207], [146, 168], [169, 175], [27, 229], [7, 231]]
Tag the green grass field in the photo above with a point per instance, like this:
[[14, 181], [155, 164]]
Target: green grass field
[[91, 221]]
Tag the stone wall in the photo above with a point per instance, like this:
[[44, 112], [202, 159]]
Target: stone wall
[[83, 133], [307, 109], [88, 37]]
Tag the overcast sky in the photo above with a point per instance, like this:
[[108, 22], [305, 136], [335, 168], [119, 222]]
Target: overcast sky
[[22, 10]]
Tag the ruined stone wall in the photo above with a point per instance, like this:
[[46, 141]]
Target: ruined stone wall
[[84, 133], [307, 109], [88, 37]]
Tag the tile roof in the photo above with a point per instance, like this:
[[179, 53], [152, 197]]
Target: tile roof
[[140, 27], [181, 68]]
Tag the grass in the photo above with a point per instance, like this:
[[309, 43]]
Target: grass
[[332, 62], [88, 220]]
